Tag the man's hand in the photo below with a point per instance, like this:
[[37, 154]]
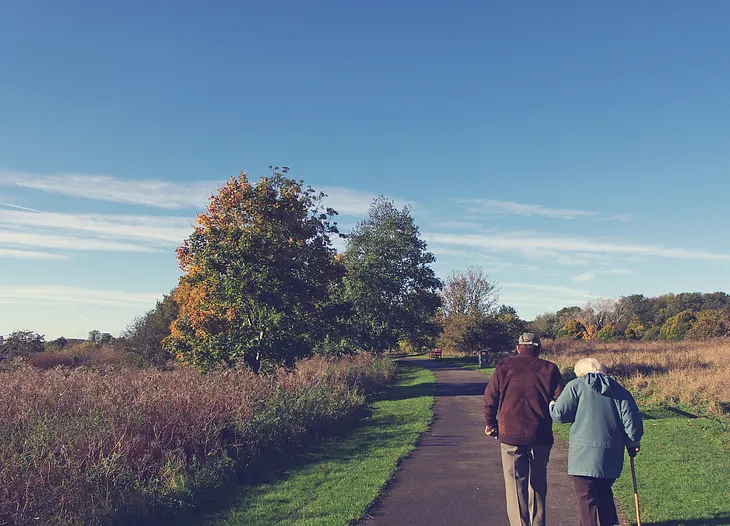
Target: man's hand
[[632, 448], [491, 432], [551, 404]]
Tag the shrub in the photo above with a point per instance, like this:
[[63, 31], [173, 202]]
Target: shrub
[[635, 329], [709, 324], [55, 345], [606, 334], [82, 354], [92, 447], [677, 326], [572, 330], [651, 334], [406, 347]]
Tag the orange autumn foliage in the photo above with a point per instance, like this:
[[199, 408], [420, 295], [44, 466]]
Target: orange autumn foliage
[[257, 270]]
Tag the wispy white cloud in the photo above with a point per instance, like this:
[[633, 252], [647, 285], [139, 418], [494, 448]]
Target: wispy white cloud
[[62, 295], [155, 193], [79, 314], [165, 194], [159, 229], [523, 209], [87, 232], [585, 276], [348, 202], [67, 242], [590, 275], [536, 244], [17, 207], [11, 253], [338, 243]]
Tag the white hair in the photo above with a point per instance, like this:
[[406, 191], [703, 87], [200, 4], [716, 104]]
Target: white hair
[[588, 365]]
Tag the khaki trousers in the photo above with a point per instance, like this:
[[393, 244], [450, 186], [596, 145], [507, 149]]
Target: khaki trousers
[[525, 482]]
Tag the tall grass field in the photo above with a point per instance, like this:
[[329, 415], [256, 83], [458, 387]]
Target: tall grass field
[[132, 446]]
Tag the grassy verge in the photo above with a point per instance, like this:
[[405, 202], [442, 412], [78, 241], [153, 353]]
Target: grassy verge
[[335, 481]]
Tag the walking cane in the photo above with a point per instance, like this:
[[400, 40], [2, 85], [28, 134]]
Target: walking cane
[[636, 492]]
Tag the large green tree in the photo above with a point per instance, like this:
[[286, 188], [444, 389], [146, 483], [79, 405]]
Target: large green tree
[[393, 291], [258, 270]]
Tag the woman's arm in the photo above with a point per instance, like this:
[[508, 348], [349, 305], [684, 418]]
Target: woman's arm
[[564, 408], [631, 418]]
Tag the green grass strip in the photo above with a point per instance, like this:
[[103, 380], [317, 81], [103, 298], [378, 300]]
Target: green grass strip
[[334, 482]]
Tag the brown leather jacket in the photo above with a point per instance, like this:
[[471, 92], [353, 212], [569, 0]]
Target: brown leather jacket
[[517, 398]]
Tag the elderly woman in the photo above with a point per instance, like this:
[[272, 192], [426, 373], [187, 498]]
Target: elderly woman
[[604, 419]]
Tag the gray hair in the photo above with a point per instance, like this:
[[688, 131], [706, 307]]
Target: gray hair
[[588, 365]]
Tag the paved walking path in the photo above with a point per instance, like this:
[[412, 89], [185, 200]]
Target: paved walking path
[[454, 477]]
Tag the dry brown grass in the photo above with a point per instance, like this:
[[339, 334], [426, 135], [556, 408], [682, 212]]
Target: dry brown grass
[[693, 373], [102, 446], [78, 354]]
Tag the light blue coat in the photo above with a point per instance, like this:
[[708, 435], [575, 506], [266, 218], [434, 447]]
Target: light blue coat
[[604, 418]]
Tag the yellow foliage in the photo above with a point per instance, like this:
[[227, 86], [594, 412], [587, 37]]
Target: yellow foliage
[[590, 332]]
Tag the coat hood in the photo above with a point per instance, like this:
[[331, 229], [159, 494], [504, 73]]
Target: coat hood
[[602, 383]]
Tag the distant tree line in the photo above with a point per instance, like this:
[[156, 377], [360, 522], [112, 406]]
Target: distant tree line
[[27, 343], [691, 315]]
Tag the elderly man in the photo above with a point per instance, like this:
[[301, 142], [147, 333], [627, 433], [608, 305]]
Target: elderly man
[[604, 419], [516, 409]]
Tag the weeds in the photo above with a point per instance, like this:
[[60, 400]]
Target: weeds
[[88, 446]]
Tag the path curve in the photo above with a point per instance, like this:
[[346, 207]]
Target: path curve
[[454, 476]]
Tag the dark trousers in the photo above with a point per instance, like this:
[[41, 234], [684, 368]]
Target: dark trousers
[[595, 501]]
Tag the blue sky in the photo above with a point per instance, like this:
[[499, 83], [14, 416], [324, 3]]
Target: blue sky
[[573, 150]]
